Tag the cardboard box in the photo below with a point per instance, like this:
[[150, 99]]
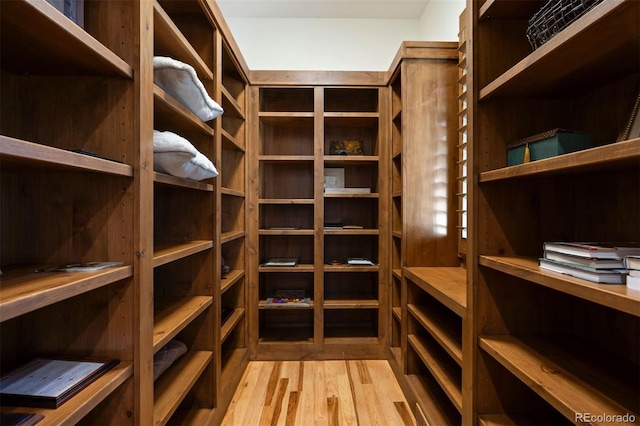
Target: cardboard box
[[548, 144]]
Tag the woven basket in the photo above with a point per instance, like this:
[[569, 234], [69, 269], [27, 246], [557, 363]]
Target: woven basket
[[555, 16]]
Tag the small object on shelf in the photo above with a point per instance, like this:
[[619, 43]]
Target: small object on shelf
[[289, 299], [333, 225], [284, 228], [604, 276], [359, 261], [166, 356], [281, 261], [81, 267], [353, 227], [49, 382], [72, 9], [224, 268], [594, 250], [333, 178], [632, 129], [20, 419], [555, 16], [587, 262], [547, 144], [633, 282], [345, 147], [347, 190]]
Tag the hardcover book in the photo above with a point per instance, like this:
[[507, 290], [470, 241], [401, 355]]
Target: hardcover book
[[595, 250], [359, 261], [281, 261], [49, 382], [608, 276]]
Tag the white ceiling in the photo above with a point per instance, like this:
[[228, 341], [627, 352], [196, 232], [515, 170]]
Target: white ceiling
[[370, 9]]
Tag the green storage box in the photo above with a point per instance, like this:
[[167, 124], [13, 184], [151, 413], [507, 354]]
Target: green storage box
[[547, 144]]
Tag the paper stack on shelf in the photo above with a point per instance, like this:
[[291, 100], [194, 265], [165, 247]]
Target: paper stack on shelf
[[596, 262], [632, 264]]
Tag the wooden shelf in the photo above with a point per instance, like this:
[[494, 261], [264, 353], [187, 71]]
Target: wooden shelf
[[170, 41], [173, 315], [288, 119], [351, 304], [230, 323], [302, 267], [286, 232], [72, 411], [18, 154], [344, 160], [24, 290], [165, 179], [397, 313], [350, 268], [608, 156], [568, 64], [172, 113], [508, 9], [448, 380], [351, 231], [231, 236], [286, 201], [285, 158], [432, 406], [229, 141], [447, 334], [446, 284], [397, 273], [167, 253], [263, 305], [560, 372], [59, 46], [172, 387], [364, 195], [232, 192], [230, 101], [618, 297], [228, 280]]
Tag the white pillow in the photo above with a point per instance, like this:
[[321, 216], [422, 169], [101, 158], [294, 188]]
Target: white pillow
[[176, 156], [181, 82]]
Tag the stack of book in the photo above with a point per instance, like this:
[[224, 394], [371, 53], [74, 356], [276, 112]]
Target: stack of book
[[632, 263], [600, 263]]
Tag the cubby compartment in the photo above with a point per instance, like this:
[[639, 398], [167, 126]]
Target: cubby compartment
[[273, 282], [233, 252], [233, 170], [179, 214], [350, 323], [359, 287], [286, 99], [233, 214], [351, 211], [285, 135], [233, 83], [73, 116], [286, 181], [355, 127], [338, 248], [344, 99], [285, 325], [360, 174], [286, 216], [279, 246]]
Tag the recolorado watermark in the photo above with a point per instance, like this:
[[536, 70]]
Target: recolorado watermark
[[604, 418]]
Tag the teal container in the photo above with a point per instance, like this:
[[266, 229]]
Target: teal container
[[547, 144]]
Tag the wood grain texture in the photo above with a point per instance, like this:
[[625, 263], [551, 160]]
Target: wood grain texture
[[318, 392]]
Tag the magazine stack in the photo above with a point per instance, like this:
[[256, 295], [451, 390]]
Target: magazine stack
[[602, 263]]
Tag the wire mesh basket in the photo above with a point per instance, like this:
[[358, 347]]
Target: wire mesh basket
[[555, 16]]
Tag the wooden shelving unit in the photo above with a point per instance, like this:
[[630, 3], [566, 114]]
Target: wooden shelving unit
[[426, 343], [66, 89], [542, 336], [60, 206], [294, 127]]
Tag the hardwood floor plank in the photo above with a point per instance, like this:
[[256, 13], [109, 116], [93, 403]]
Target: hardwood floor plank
[[318, 393]]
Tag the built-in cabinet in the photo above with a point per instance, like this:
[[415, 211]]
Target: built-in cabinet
[[552, 349], [293, 217], [79, 107], [428, 285]]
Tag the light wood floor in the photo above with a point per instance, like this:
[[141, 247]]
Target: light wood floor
[[318, 393]]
